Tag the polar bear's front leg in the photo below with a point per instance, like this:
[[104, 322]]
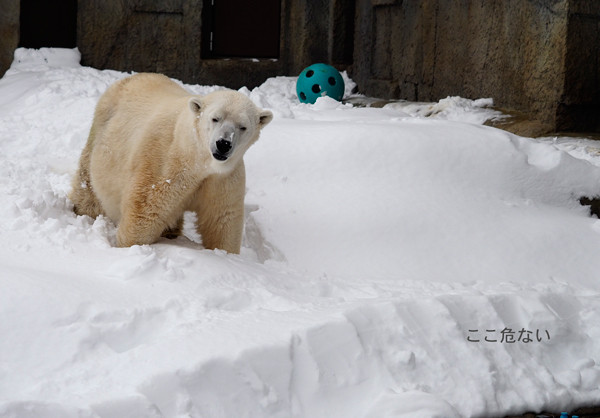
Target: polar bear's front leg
[[219, 208], [150, 209], [138, 228], [135, 232]]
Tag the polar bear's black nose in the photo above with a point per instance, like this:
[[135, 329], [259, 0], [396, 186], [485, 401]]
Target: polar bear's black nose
[[223, 146]]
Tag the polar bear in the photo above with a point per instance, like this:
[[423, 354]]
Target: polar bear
[[155, 151]]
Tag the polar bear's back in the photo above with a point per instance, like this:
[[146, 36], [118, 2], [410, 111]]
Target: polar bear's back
[[140, 95], [134, 116]]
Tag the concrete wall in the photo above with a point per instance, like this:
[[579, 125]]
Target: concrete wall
[[540, 57], [579, 105], [157, 36], [536, 56], [166, 36], [9, 32]]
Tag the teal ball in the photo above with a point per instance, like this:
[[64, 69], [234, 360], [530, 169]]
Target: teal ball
[[319, 80]]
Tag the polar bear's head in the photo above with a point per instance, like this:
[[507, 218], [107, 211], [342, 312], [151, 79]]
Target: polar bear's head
[[227, 123]]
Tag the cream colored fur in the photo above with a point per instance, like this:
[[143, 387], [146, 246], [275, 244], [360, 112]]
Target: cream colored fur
[[149, 158]]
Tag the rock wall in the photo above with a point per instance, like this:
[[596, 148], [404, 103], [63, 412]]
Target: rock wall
[[140, 36], [167, 37], [9, 32], [579, 105], [536, 56]]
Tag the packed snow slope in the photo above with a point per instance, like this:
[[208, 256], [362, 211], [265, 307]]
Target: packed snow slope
[[397, 262]]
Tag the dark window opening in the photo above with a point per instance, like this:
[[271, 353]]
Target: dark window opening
[[48, 23], [241, 29], [343, 31]]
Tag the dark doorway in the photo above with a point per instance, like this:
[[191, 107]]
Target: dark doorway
[[241, 29], [48, 23]]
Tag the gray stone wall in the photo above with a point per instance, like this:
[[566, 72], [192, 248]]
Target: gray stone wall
[[540, 57], [166, 37], [536, 56], [579, 105], [151, 36], [9, 32]]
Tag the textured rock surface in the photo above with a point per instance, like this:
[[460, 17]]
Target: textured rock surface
[[167, 37], [580, 104], [9, 32], [534, 56], [142, 36], [538, 57]]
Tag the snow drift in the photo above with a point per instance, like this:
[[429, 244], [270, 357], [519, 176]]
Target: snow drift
[[404, 261]]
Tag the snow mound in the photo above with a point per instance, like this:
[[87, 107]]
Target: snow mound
[[452, 108], [393, 264]]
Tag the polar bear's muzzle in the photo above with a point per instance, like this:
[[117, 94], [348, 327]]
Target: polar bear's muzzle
[[222, 149]]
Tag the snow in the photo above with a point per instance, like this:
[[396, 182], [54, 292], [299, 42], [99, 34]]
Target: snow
[[378, 243]]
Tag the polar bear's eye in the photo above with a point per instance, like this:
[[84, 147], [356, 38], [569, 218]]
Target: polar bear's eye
[[242, 128], [215, 120]]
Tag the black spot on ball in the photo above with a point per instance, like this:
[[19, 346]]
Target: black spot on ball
[[302, 95], [316, 88], [310, 73], [331, 81]]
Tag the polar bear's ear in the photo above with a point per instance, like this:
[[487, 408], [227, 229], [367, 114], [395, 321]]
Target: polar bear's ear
[[265, 117], [196, 105]]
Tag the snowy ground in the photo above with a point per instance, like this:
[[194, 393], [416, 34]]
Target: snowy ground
[[403, 262]]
